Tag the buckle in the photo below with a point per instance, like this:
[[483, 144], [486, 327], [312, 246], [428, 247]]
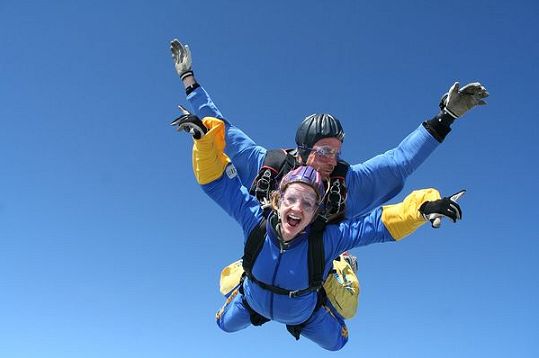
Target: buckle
[[293, 294]]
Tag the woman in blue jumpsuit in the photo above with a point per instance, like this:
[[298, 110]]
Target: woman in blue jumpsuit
[[282, 261]]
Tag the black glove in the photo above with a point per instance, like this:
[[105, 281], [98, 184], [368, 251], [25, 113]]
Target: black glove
[[190, 123], [448, 207]]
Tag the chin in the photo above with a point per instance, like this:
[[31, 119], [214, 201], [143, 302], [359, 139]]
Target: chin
[[289, 232]]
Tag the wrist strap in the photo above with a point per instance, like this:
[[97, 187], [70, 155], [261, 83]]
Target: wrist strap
[[439, 126]]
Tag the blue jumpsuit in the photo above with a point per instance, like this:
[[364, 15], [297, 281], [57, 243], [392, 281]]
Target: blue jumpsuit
[[369, 184], [286, 266]]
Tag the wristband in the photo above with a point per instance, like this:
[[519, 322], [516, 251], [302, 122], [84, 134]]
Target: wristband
[[186, 74]]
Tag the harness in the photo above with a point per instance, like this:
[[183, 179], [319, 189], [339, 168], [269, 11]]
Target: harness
[[316, 259], [315, 263], [278, 162]]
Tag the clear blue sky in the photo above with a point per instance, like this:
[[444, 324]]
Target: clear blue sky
[[108, 248]]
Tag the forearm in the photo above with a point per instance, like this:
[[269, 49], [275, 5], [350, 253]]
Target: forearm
[[202, 103], [379, 179]]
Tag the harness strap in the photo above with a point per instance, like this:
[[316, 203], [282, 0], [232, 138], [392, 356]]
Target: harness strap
[[335, 199], [256, 318], [277, 162], [316, 256], [282, 291], [253, 246], [295, 330]]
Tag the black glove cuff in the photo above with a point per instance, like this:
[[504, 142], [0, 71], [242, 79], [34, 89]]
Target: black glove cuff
[[191, 88], [439, 126]]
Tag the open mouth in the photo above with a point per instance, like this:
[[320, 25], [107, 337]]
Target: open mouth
[[293, 220]]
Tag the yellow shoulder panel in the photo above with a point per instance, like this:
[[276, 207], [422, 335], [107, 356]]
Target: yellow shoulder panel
[[209, 159], [404, 218]]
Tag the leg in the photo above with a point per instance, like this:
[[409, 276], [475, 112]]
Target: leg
[[233, 316], [326, 329]]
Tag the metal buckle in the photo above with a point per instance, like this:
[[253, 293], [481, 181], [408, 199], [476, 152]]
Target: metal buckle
[[293, 294]]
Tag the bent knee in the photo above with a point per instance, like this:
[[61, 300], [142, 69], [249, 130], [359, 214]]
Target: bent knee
[[223, 327], [339, 345], [339, 342]]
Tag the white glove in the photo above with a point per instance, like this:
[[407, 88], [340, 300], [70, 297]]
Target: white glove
[[182, 58], [458, 101]]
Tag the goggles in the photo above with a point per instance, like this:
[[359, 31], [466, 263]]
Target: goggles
[[308, 204], [325, 151]]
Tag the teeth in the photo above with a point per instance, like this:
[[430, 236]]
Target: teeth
[[292, 216]]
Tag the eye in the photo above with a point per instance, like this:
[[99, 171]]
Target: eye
[[327, 151], [309, 205], [290, 200]]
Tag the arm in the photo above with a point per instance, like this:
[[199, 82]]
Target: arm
[[374, 182], [244, 153], [217, 176], [379, 179], [246, 156], [391, 222]]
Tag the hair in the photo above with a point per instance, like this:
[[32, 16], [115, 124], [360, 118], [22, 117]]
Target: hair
[[275, 198]]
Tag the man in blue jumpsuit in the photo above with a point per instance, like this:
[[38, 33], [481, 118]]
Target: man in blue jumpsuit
[[319, 139]]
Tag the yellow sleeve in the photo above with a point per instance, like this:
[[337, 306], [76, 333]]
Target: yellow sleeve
[[404, 218], [209, 159]]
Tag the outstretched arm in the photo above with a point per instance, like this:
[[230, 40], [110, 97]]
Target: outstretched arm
[[393, 222], [245, 154], [199, 99], [218, 178], [379, 179]]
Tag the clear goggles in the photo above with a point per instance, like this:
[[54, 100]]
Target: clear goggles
[[309, 204], [325, 151]]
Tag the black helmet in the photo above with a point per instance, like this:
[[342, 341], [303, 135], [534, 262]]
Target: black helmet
[[316, 127]]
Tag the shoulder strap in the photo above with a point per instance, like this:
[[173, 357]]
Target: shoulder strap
[[335, 198], [316, 259], [253, 246], [340, 170], [277, 162]]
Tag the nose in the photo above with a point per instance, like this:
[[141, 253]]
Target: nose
[[298, 205], [329, 161]]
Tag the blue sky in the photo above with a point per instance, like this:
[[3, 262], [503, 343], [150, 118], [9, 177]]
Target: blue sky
[[108, 248]]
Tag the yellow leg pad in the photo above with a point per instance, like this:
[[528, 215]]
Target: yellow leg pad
[[209, 159], [404, 218]]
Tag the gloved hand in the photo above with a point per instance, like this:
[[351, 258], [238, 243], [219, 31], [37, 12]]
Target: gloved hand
[[434, 211], [189, 123], [458, 101], [182, 58]]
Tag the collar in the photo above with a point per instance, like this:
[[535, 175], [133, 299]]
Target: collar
[[273, 230]]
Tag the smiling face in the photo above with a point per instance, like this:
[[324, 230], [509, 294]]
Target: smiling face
[[324, 156], [296, 209]]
